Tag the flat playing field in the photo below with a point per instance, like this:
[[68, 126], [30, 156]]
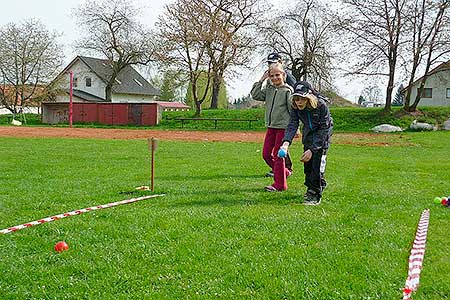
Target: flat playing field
[[216, 234]]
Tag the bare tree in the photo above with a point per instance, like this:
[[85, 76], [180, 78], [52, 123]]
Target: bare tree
[[429, 25], [304, 34], [113, 31], [181, 47], [224, 31], [29, 58], [374, 35], [205, 39], [371, 93]]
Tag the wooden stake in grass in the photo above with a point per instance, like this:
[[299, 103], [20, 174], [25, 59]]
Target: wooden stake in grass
[[152, 144]]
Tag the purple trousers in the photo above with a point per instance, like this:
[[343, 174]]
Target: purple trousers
[[272, 143]]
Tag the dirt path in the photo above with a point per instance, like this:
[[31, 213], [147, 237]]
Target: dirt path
[[97, 133], [372, 139]]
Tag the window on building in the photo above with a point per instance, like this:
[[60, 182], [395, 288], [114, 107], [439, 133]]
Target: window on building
[[75, 82], [88, 81], [448, 93], [427, 93]]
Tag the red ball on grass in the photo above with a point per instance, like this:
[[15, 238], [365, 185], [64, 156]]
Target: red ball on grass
[[61, 246]]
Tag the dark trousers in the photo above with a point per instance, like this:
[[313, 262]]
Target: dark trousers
[[314, 171], [288, 162]]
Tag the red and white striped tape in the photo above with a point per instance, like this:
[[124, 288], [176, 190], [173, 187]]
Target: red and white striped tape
[[416, 257], [74, 213]]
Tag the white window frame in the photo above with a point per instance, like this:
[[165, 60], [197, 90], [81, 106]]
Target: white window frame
[[423, 93]]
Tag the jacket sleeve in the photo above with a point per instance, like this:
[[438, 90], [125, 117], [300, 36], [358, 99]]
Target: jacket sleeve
[[321, 137], [291, 129], [289, 102], [257, 92], [290, 79]]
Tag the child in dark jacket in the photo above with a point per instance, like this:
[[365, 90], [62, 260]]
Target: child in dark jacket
[[316, 137]]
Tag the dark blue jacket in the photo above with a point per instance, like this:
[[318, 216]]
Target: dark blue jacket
[[290, 79], [317, 126]]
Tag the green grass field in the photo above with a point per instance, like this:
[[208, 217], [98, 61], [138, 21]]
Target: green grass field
[[216, 234], [346, 119]]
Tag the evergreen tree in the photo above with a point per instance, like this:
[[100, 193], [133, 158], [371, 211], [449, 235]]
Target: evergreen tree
[[361, 100], [167, 87], [399, 97], [223, 102], [168, 82]]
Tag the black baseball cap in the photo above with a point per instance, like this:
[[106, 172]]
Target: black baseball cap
[[302, 88], [273, 57]]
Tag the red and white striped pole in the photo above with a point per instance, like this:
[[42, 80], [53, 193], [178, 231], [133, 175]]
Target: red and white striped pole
[[416, 257], [74, 213], [70, 99]]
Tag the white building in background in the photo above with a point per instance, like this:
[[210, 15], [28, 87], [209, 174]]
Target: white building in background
[[437, 87], [26, 110], [90, 76]]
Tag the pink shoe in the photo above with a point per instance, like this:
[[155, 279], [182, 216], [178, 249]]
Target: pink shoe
[[270, 188]]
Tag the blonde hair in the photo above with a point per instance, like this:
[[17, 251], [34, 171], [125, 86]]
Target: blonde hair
[[278, 67], [311, 100]]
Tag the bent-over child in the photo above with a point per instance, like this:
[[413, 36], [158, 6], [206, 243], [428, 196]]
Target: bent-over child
[[317, 122]]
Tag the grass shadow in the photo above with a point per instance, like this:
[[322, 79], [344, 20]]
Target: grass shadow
[[209, 177]]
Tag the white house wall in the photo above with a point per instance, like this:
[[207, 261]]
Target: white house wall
[[81, 72], [439, 83], [65, 98], [128, 98]]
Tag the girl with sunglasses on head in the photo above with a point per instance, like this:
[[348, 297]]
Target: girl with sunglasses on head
[[276, 95]]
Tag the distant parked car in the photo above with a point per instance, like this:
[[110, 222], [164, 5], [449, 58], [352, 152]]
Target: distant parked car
[[370, 104]]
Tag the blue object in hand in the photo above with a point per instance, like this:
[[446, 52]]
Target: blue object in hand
[[282, 153]]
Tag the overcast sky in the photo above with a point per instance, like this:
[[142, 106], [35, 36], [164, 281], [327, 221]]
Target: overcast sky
[[56, 15]]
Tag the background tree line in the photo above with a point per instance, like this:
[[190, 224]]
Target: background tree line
[[196, 45]]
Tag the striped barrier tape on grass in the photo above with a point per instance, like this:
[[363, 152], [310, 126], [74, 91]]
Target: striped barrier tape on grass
[[74, 213], [416, 257]]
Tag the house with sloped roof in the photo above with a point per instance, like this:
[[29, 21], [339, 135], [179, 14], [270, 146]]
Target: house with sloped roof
[[90, 76], [133, 99], [437, 87]]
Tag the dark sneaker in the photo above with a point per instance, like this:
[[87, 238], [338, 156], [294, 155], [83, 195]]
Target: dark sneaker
[[289, 173], [269, 174], [311, 198], [323, 182], [307, 195]]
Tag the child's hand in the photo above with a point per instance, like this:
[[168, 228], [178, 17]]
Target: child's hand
[[285, 146], [265, 76], [306, 156], [282, 152]]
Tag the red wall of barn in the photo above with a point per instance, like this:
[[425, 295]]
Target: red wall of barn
[[112, 113], [120, 114], [85, 112], [149, 114], [105, 114]]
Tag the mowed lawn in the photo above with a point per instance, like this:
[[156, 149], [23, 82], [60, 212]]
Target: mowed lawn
[[216, 234]]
